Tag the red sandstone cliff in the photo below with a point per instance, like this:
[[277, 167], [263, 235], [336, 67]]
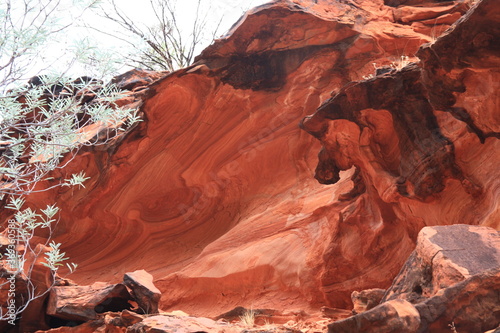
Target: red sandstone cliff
[[214, 192]]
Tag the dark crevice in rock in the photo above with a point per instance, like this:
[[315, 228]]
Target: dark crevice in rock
[[327, 171], [113, 304], [269, 70], [439, 59], [441, 91], [462, 115], [427, 155], [55, 322]]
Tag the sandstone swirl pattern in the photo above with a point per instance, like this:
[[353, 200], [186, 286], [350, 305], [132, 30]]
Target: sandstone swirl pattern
[[214, 192]]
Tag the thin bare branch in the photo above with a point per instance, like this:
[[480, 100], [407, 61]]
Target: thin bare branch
[[166, 44]]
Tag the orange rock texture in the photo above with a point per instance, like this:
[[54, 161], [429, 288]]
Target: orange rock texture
[[214, 192]]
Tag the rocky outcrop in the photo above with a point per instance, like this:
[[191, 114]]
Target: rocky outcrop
[[454, 270], [469, 306], [452, 278], [443, 257], [213, 192], [390, 317], [82, 303], [365, 300], [412, 136], [143, 290]]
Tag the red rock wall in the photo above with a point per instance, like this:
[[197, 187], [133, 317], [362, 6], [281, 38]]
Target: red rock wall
[[419, 140], [214, 192]]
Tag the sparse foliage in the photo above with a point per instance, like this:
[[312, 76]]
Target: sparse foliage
[[401, 62], [42, 127], [248, 318], [21, 256], [27, 27], [452, 327]]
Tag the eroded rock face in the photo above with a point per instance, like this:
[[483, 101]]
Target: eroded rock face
[[213, 192], [143, 290], [390, 317], [452, 277], [83, 303], [473, 305], [445, 256], [366, 299], [412, 136]]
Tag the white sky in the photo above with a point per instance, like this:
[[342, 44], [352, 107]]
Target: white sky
[[230, 9], [57, 58], [141, 13]]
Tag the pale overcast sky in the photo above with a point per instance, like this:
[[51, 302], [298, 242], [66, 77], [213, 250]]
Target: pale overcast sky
[[140, 11], [229, 10], [56, 56]]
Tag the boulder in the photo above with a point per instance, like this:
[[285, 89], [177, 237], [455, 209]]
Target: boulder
[[445, 255], [143, 290], [366, 299], [83, 303], [473, 306], [397, 316], [453, 276]]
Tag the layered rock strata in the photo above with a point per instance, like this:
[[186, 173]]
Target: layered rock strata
[[213, 193]]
